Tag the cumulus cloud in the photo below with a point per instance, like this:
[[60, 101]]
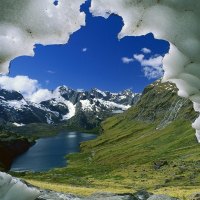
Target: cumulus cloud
[[84, 49], [127, 60], [26, 23], [152, 66], [22, 84], [29, 88], [146, 50], [40, 95]]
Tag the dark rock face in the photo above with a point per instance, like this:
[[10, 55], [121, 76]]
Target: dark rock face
[[10, 95], [10, 148], [142, 195]]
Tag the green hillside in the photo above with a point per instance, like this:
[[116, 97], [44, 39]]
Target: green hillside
[[150, 146]]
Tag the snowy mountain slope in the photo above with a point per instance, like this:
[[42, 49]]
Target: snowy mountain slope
[[63, 104]]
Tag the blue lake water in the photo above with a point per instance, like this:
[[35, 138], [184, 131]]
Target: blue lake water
[[50, 152]]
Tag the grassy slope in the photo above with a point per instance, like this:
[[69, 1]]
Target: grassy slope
[[124, 163], [122, 158]]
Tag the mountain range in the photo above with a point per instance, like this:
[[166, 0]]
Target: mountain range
[[85, 109]]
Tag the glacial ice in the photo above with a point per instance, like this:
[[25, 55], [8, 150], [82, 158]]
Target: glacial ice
[[14, 189], [176, 21]]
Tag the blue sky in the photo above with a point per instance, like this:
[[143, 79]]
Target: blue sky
[[99, 66]]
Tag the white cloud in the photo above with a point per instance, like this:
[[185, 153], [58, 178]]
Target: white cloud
[[22, 84], [146, 50], [51, 72], [29, 88], [139, 57], [152, 66], [127, 60], [84, 49], [41, 95]]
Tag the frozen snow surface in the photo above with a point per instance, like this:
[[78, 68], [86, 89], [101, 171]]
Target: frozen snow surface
[[26, 23], [176, 21], [14, 189]]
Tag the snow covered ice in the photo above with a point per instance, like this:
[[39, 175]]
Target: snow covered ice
[[14, 189], [26, 23]]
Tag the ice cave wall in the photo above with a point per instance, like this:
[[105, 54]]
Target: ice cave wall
[[26, 23], [178, 22], [12, 188]]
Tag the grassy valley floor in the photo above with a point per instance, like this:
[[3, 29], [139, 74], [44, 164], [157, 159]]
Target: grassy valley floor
[[129, 157]]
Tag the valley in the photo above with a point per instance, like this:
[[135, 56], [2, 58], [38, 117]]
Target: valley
[[150, 146], [64, 109]]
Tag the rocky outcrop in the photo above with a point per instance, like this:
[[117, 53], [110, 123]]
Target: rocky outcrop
[[161, 197], [10, 147], [160, 103], [141, 195]]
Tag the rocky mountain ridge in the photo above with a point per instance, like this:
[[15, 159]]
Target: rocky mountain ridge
[[64, 104]]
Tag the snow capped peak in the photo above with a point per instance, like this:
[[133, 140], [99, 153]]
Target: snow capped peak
[[62, 89], [127, 92], [61, 104], [99, 92]]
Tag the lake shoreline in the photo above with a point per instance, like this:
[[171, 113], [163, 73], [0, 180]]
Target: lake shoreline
[[50, 152]]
